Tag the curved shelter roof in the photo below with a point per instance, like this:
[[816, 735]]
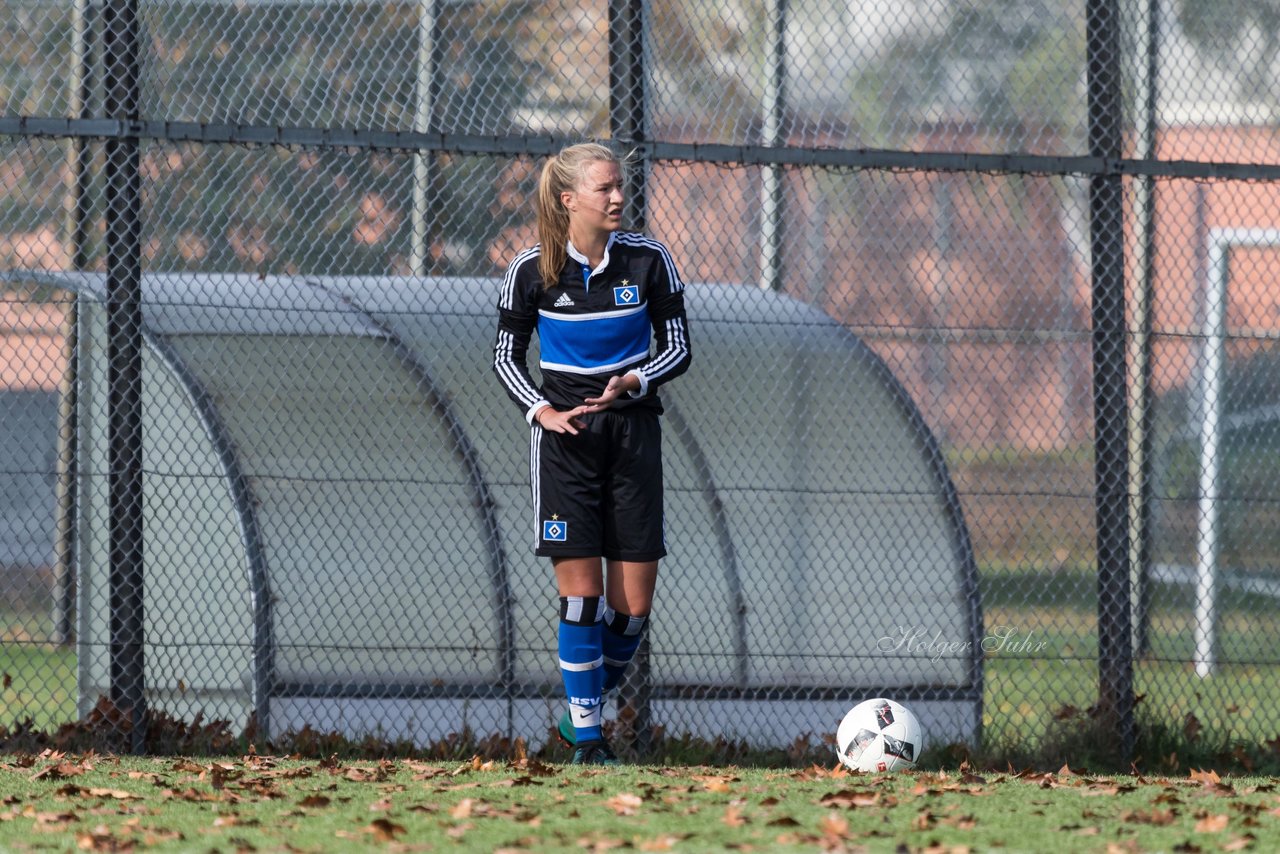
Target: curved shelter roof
[[338, 532]]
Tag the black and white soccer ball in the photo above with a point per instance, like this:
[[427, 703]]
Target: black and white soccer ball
[[879, 735]]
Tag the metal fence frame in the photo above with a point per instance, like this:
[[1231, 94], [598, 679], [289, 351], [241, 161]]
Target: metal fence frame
[[1120, 396]]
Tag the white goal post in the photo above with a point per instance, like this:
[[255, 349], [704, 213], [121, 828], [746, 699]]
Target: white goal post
[[1207, 411]]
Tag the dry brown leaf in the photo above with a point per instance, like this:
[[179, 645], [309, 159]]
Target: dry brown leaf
[[459, 830], [848, 798], [834, 825], [1156, 817], [1094, 791], [1208, 777], [659, 843], [158, 835], [314, 801], [463, 808], [1212, 824], [99, 839], [60, 771], [961, 822], [384, 830], [733, 816], [1127, 847], [624, 803], [1240, 843], [114, 794]]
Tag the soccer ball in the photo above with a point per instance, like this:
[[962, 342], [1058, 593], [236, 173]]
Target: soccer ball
[[879, 735]]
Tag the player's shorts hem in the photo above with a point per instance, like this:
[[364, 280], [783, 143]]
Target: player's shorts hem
[[630, 557], [637, 557], [544, 551]]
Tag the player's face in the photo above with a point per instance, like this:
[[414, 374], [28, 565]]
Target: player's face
[[596, 203]]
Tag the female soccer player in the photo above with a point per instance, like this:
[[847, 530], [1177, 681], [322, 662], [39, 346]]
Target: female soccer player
[[608, 306]]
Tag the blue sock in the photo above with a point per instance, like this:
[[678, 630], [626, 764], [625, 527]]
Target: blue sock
[[581, 662], [619, 642]]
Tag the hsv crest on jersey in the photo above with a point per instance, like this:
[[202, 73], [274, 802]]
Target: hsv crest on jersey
[[564, 301], [626, 294], [555, 530]]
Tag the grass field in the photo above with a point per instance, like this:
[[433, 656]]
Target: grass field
[[268, 804], [1026, 694], [37, 681]]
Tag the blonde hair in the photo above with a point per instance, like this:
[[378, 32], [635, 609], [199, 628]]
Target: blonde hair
[[560, 174]]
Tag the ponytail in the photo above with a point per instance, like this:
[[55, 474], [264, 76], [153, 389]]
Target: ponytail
[[560, 174]]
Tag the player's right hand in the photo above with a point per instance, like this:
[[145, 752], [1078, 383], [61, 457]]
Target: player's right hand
[[569, 421]]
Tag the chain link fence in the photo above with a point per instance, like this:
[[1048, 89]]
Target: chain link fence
[[983, 411]]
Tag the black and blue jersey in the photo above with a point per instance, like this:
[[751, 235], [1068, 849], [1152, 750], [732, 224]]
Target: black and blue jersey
[[625, 316]]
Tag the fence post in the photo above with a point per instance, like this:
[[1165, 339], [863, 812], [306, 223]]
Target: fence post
[[1110, 394], [773, 134], [628, 127], [628, 105], [124, 366]]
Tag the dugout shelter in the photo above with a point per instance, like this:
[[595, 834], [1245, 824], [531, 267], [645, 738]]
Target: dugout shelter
[[338, 530]]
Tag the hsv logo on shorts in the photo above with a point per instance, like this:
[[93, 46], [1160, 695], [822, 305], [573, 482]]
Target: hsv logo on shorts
[[626, 294], [555, 530]]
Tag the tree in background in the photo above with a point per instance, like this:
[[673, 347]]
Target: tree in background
[[1239, 36]]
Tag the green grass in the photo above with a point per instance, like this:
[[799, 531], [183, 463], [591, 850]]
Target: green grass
[[37, 681], [1025, 695], [265, 803], [1029, 695]]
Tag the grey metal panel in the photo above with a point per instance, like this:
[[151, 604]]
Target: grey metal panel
[[846, 503]]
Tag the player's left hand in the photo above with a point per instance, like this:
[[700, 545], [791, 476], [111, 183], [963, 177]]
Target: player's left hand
[[615, 388]]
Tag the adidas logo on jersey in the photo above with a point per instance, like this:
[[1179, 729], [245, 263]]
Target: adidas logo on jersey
[[564, 301]]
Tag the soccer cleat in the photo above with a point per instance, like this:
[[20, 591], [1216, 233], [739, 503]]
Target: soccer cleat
[[594, 752], [566, 731]]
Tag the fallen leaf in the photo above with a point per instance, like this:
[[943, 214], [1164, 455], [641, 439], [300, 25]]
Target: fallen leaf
[[715, 783], [660, 843], [624, 803], [1240, 843], [384, 830], [1209, 777], [848, 798], [1212, 824], [114, 794], [834, 825], [1156, 817], [313, 801], [100, 839], [463, 808], [59, 771], [459, 830], [733, 816], [961, 822]]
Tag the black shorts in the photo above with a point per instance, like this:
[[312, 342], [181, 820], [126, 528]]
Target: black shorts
[[599, 493]]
